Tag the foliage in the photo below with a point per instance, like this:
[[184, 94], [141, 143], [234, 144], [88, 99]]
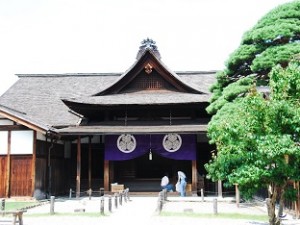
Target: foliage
[[231, 92], [257, 139], [274, 40], [290, 194], [285, 82]]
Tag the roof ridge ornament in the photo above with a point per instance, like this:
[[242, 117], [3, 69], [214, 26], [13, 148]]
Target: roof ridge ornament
[[148, 44]]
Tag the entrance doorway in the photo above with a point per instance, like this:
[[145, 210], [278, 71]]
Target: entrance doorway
[[142, 174]]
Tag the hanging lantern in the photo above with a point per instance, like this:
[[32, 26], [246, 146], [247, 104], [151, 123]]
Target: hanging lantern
[[150, 155]]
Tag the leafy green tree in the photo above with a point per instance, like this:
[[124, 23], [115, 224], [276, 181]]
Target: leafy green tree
[[257, 138], [272, 41]]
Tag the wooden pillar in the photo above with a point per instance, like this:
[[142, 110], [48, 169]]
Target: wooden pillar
[[7, 191], [90, 162], [49, 169], [78, 167], [33, 171], [194, 175], [106, 175], [111, 171]]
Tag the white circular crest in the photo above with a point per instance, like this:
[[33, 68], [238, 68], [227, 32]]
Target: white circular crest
[[126, 143], [172, 142]]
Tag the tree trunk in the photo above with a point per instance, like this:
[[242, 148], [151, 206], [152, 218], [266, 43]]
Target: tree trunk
[[273, 220], [281, 201]]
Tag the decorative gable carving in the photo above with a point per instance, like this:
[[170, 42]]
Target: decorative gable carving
[[148, 73]]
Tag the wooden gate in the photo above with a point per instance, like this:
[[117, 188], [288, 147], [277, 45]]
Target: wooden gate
[[21, 180]]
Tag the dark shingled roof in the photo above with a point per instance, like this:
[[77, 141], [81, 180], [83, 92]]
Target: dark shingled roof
[[40, 95], [88, 130], [143, 98]]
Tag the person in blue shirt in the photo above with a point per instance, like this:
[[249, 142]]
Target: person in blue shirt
[[181, 183]]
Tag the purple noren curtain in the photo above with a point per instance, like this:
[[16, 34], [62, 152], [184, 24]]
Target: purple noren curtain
[[187, 151]]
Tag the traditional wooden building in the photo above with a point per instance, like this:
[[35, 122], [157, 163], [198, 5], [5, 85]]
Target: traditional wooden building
[[89, 130]]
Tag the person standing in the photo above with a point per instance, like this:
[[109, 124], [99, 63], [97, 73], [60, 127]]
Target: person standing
[[181, 183]]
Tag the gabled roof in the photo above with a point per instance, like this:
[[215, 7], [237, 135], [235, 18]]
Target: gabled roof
[[40, 96], [149, 62], [41, 101], [135, 87]]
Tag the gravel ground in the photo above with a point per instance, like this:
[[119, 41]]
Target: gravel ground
[[142, 210]]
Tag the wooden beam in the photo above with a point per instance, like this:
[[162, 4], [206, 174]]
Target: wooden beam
[[90, 162], [23, 122], [7, 192], [33, 171], [13, 127], [194, 175], [106, 175], [78, 167]]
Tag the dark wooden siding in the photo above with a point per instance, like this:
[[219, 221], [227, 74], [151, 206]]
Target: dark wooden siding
[[40, 174], [41, 168], [2, 176], [21, 180], [60, 179], [60, 175]]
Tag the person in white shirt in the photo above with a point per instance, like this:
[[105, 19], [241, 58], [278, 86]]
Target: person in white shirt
[[165, 183]]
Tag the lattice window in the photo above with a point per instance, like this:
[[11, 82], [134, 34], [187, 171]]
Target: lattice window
[[146, 81]]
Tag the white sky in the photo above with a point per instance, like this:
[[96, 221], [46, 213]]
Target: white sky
[[77, 36]]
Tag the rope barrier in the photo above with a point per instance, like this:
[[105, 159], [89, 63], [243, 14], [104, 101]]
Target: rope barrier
[[118, 197]]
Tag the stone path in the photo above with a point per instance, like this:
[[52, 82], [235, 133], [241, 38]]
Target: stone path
[[142, 211]]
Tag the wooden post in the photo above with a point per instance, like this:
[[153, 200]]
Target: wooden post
[[120, 197], [49, 168], [78, 167], [33, 164], [52, 200], [102, 205], [106, 175], [90, 193], [202, 195], [160, 202], [124, 195], [127, 194], [194, 176], [2, 204], [8, 167], [116, 200], [90, 162], [70, 193], [101, 191], [109, 203], [215, 206]]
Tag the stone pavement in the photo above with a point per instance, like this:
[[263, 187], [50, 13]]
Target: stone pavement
[[143, 210]]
